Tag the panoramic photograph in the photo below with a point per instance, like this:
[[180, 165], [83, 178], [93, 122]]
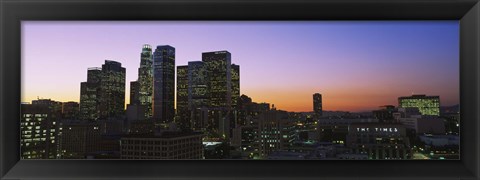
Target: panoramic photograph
[[240, 90]]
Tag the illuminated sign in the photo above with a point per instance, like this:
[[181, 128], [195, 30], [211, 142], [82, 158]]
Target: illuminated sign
[[377, 129], [210, 143]]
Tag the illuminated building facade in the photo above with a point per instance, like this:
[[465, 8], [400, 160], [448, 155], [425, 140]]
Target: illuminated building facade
[[271, 131], [317, 105], [219, 92], [39, 132], [427, 105], [250, 143], [168, 145], [163, 84], [235, 84], [90, 95], [112, 90], [183, 113], [145, 79], [103, 95], [218, 70], [379, 140], [197, 94]]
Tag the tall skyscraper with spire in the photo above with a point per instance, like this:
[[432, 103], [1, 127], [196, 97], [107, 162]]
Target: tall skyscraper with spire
[[145, 80], [164, 84]]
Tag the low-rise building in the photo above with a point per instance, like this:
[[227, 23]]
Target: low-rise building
[[379, 140], [165, 145]]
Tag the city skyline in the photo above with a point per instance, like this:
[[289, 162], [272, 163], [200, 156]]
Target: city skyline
[[353, 81]]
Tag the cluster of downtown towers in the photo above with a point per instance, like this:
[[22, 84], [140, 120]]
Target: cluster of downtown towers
[[212, 121], [207, 92]]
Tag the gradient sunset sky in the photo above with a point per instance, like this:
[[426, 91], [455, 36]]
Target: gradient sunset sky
[[355, 65]]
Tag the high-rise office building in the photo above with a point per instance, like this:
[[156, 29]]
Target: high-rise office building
[[103, 95], [112, 90], [134, 93], [90, 95], [427, 105], [39, 132], [145, 80], [317, 105], [219, 75], [219, 92], [235, 84], [197, 94], [163, 84], [208, 91], [183, 113]]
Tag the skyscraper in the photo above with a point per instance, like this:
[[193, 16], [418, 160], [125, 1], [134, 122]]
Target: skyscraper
[[103, 95], [427, 105], [163, 84], [219, 92], [112, 89], [145, 80], [90, 95], [197, 94], [235, 84], [317, 105], [183, 113], [218, 70]]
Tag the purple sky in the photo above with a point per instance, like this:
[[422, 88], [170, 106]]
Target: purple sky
[[355, 65]]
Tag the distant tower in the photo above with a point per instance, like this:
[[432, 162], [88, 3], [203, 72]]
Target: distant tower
[[164, 84], [317, 105], [427, 105]]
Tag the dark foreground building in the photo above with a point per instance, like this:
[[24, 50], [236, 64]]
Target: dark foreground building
[[167, 145], [379, 140]]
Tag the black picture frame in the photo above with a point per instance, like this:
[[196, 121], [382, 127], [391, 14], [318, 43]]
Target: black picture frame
[[12, 12]]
